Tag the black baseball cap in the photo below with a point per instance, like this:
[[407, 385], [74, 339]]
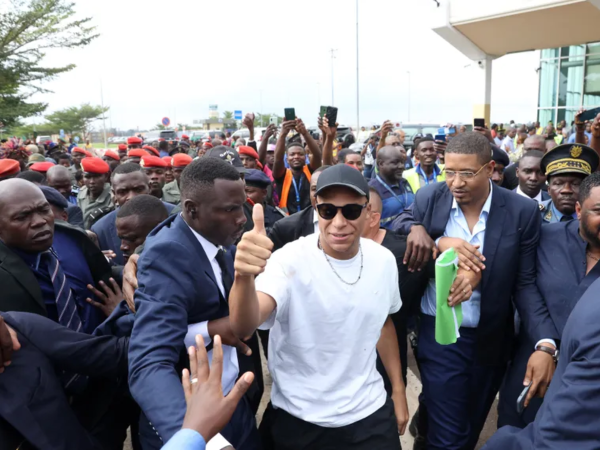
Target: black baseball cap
[[343, 175], [228, 155]]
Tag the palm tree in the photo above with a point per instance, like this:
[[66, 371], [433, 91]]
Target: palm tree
[[227, 115]]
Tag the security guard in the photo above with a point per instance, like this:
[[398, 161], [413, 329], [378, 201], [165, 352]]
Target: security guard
[[565, 166], [257, 183], [96, 193], [171, 192]]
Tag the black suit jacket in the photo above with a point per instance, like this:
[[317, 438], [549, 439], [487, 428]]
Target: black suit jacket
[[511, 239], [20, 288], [292, 228]]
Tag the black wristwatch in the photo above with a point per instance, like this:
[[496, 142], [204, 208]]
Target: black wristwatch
[[551, 351]]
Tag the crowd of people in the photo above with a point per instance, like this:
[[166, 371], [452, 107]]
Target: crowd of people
[[139, 285]]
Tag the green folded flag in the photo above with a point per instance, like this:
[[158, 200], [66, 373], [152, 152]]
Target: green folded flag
[[447, 319]]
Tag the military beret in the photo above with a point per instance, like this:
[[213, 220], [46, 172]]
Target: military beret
[[122, 147], [184, 136], [151, 150], [137, 152], [257, 178], [82, 151], [36, 157], [54, 197], [181, 160], [41, 167], [248, 151], [133, 140], [111, 154], [149, 161], [9, 167], [500, 156], [167, 159], [94, 165], [570, 158], [207, 145]]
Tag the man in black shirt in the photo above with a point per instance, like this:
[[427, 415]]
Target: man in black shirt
[[293, 184]]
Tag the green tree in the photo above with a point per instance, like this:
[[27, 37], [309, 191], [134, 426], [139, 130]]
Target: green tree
[[27, 29], [77, 119], [227, 115], [158, 126]]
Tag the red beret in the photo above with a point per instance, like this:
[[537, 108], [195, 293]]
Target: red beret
[[122, 147], [167, 159], [207, 145], [113, 155], [9, 167], [151, 149], [161, 139], [248, 151], [134, 140], [181, 160], [150, 161], [82, 151], [137, 152], [184, 136], [94, 165], [41, 166]]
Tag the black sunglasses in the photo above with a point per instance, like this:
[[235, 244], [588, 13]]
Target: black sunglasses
[[350, 212]]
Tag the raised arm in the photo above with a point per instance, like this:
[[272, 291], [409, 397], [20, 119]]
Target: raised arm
[[264, 143], [313, 146], [385, 130], [278, 163], [595, 144], [329, 134], [580, 128]]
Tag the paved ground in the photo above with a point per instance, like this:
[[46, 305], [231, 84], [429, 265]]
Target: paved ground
[[413, 390]]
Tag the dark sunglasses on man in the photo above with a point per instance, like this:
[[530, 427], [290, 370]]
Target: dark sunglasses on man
[[351, 211]]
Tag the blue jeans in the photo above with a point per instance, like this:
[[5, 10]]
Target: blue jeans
[[368, 172]]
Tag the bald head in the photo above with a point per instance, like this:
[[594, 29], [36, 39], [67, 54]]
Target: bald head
[[26, 219], [59, 178], [535, 142], [390, 163], [375, 201]]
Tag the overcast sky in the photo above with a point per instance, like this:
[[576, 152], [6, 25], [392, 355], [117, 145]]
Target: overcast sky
[[174, 58]]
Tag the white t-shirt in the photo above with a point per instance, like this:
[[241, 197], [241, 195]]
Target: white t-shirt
[[509, 143], [322, 346]]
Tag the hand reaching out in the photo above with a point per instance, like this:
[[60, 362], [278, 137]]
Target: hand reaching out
[[111, 296], [130, 283]]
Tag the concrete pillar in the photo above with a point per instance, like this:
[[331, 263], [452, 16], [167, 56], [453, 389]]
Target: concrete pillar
[[482, 88]]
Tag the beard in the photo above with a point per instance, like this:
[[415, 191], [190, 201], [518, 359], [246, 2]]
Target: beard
[[589, 234]]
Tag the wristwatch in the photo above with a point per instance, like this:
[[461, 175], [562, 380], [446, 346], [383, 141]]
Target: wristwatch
[[551, 351]]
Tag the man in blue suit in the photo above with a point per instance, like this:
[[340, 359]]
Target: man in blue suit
[[34, 408], [532, 177], [469, 212], [568, 418], [127, 181], [184, 276]]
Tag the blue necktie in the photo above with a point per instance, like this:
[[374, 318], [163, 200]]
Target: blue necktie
[[65, 301]]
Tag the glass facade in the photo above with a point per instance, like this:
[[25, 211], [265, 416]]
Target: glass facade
[[569, 79]]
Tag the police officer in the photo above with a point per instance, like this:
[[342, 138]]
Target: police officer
[[96, 193], [171, 192], [257, 183], [565, 166]]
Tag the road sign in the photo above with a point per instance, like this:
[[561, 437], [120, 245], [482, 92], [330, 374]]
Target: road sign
[[237, 115], [165, 121]]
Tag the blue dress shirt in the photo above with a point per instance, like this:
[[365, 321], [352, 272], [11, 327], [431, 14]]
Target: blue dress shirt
[[571, 139], [558, 214], [457, 227], [185, 439]]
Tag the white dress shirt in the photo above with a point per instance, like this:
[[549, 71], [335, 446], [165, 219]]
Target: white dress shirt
[[537, 198], [230, 360]]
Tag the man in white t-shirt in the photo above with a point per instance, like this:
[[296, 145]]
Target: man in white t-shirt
[[327, 299], [508, 144]]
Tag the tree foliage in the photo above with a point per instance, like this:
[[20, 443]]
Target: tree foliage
[[27, 29], [263, 120], [75, 119], [227, 115]]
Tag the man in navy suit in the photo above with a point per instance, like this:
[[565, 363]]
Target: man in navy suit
[[568, 418], [127, 181], [184, 276], [499, 230], [34, 407], [531, 177]]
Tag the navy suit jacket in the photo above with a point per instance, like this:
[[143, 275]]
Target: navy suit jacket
[[108, 239], [177, 287], [33, 398], [511, 238], [568, 418]]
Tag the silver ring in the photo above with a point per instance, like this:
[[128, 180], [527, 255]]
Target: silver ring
[[464, 291], [194, 380]]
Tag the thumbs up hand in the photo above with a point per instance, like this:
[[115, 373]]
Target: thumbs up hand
[[254, 249]]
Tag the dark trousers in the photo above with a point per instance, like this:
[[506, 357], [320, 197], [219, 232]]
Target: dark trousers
[[253, 363], [457, 392], [512, 386], [282, 431]]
